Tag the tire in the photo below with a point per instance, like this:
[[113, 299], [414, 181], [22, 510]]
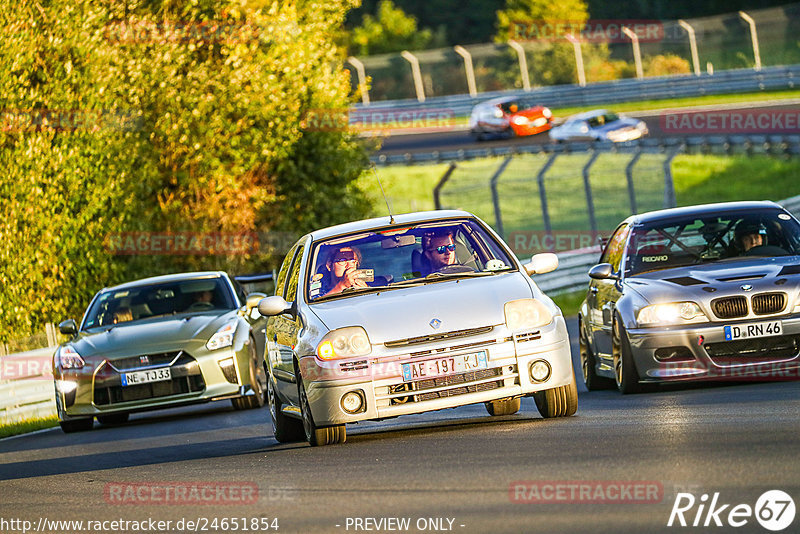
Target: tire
[[591, 379], [76, 425], [318, 436], [285, 429], [625, 374], [503, 407], [257, 381], [557, 402], [113, 419]]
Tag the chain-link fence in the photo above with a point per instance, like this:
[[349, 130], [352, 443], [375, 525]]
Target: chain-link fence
[[721, 42]]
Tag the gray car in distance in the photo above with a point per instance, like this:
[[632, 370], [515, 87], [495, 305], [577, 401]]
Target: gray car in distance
[[599, 125], [706, 292], [403, 315]]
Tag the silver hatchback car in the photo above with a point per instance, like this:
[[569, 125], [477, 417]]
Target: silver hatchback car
[[404, 315]]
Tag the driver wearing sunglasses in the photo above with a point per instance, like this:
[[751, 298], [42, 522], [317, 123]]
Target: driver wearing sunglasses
[[342, 266], [439, 249]]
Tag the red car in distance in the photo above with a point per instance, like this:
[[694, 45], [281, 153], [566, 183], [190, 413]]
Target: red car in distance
[[508, 116]]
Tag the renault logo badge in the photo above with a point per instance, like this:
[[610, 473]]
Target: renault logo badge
[[747, 287], [435, 323]]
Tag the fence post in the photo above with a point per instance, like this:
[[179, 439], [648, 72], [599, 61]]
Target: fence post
[[464, 53], [498, 218], [362, 79], [692, 45], [437, 190], [753, 37], [523, 64], [629, 177], [669, 186], [637, 53], [576, 45], [548, 228], [587, 187], [50, 332], [415, 72]]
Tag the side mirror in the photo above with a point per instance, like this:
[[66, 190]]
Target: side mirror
[[603, 271], [68, 327], [271, 306], [542, 263], [253, 299]]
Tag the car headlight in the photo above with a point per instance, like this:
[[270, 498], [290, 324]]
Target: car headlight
[[547, 113], [344, 343], [671, 313], [520, 120], [641, 126], [498, 113], [223, 337], [524, 314], [68, 358]]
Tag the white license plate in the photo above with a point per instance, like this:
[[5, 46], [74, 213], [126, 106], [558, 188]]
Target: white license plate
[[144, 377], [449, 365], [750, 330]]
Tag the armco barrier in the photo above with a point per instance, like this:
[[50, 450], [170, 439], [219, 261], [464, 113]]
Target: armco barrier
[[604, 93], [26, 386]]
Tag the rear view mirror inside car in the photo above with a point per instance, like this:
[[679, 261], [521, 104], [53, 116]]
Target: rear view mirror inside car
[[398, 241]]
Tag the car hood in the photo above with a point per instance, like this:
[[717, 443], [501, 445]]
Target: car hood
[[531, 113], [408, 312], [705, 282], [150, 336], [622, 123]]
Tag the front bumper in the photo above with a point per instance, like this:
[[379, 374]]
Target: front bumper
[[98, 390], [701, 352], [380, 381]]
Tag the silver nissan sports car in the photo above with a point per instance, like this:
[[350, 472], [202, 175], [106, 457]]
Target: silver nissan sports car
[[701, 292]]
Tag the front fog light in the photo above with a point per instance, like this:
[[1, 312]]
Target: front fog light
[[540, 371], [352, 402]]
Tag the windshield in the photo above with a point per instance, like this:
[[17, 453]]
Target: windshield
[[142, 302], [395, 257], [700, 239]]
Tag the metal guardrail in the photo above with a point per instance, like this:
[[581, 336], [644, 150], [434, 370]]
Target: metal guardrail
[[571, 274], [775, 145], [614, 92], [26, 386]]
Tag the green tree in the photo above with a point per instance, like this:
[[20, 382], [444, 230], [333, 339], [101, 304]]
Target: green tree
[[390, 30], [161, 117]]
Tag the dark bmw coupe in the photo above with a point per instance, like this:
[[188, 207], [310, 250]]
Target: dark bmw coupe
[[694, 293]]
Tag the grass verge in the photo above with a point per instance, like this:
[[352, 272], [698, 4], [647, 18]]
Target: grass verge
[[569, 302], [29, 425]]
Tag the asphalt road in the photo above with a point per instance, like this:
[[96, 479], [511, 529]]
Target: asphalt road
[[456, 470], [462, 140]]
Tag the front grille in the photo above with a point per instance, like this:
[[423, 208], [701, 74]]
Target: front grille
[[767, 303], [144, 361], [730, 307], [758, 350], [186, 378], [455, 380], [438, 337]]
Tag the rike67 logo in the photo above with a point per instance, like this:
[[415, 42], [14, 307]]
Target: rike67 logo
[[774, 510]]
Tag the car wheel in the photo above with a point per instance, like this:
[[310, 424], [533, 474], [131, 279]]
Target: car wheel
[[113, 419], [257, 380], [285, 429], [503, 407], [592, 380], [315, 435], [625, 374], [76, 425], [479, 136], [557, 402]]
